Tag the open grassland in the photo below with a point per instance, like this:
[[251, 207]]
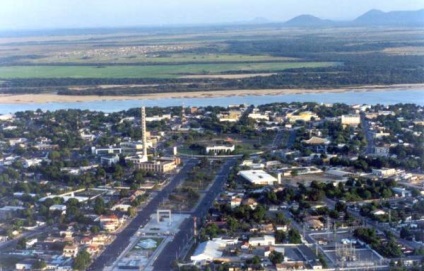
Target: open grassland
[[149, 71]]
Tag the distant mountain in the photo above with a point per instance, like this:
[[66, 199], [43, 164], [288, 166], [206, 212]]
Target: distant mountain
[[378, 17], [371, 18], [308, 21]]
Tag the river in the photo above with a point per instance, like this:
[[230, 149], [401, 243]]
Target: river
[[364, 97]]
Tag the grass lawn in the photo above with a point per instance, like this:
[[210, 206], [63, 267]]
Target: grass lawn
[[148, 71]]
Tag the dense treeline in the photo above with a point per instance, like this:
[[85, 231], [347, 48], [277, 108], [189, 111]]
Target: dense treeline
[[314, 46], [342, 76]]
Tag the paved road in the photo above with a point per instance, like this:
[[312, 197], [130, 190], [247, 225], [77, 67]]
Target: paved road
[[122, 240], [171, 251], [292, 138], [368, 134], [277, 139]]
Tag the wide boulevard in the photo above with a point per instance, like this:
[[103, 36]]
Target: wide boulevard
[[173, 249], [122, 240]]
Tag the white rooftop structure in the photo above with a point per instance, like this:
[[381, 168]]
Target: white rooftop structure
[[147, 244], [206, 251], [266, 240], [258, 177]]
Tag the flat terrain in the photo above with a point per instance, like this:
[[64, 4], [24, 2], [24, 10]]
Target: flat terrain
[[204, 60], [148, 71]]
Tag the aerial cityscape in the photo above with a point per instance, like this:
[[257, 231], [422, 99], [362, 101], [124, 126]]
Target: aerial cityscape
[[261, 140]]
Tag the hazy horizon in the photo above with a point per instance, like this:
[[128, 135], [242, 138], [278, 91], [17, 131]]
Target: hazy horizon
[[61, 14]]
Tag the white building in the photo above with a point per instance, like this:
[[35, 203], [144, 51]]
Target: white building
[[266, 240], [301, 116], [30, 243], [401, 192], [258, 177], [32, 162], [235, 202], [7, 117], [206, 252], [70, 251], [159, 118], [250, 164], [380, 134], [258, 116], [219, 148], [351, 120], [58, 207], [384, 172], [230, 116], [109, 160], [25, 264]]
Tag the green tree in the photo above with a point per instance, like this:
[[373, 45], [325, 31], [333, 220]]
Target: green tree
[[232, 224], [99, 206], [280, 236], [95, 229], [294, 237], [132, 212], [259, 213], [212, 230], [82, 260], [276, 257]]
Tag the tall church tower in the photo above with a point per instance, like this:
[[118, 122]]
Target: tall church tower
[[144, 132]]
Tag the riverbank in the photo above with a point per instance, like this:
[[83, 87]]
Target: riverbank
[[54, 98]]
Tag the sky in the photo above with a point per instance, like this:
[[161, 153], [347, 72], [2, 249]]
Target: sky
[[51, 14]]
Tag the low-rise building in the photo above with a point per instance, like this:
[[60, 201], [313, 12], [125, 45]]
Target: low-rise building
[[266, 240], [70, 251], [317, 144], [383, 150], [351, 120], [109, 160], [206, 252], [384, 172], [401, 192], [258, 177], [25, 264], [59, 208], [219, 148], [162, 165], [288, 266], [230, 116], [302, 116], [109, 222], [30, 242]]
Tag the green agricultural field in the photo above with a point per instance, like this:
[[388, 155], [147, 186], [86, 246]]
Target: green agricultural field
[[164, 58], [149, 71]]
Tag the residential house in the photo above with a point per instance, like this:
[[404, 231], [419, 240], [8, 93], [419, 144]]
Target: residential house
[[70, 251]]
